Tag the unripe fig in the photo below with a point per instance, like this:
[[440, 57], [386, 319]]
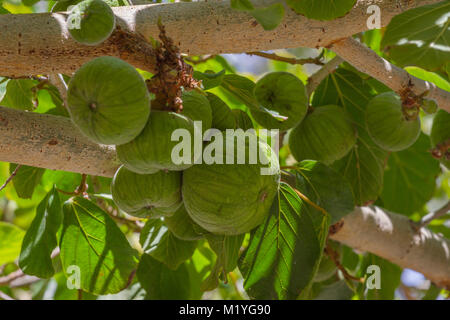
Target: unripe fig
[[147, 195], [108, 101], [91, 22], [388, 125], [326, 134]]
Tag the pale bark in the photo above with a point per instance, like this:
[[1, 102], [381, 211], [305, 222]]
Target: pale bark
[[51, 142], [366, 60], [54, 142], [33, 44], [397, 239]]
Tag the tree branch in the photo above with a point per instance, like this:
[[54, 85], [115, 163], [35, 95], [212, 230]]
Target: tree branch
[[434, 215], [26, 137], [32, 44], [51, 142], [273, 56], [316, 78], [396, 238], [366, 60]]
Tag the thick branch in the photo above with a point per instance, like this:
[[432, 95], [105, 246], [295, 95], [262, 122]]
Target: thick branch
[[396, 238], [33, 44], [366, 60], [53, 142]]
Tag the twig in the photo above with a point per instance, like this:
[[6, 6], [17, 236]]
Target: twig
[[335, 257], [200, 59], [10, 177], [316, 78], [434, 215], [312, 204], [273, 56]]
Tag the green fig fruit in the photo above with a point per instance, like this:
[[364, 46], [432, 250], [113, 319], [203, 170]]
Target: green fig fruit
[[147, 195], [326, 135], [108, 101], [387, 124]]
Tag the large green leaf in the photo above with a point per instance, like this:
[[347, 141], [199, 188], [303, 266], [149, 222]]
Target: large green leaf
[[173, 251], [241, 88], [26, 179], [285, 251], [40, 239], [322, 9], [157, 241], [91, 241], [227, 250], [162, 283], [363, 166], [389, 278], [269, 17], [19, 94], [325, 187], [420, 36], [429, 76], [10, 241], [410, 178]]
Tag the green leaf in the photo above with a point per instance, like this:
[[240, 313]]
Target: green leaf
[[241, 88], [19, 94], [420, 36], [10, 241], [326, 188], [285, 251], [410, 178], [162, 283], [151, 234], [336, 291], [242, 5], [222, 116], [363, 166], [389, 278], [3, 11], [429, 76], [209, 78], [40, 239], [26, 179], [322, 9], [173, 251], [447, 69], [91, 241], [270, 17], [227, 250]]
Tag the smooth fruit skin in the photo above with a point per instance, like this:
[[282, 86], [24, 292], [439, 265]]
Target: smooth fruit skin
[[387, 125], [108, 101], [91, 22], [440, 132], [152, 149], [282, 93], [183, 227], [196, 107], [326, 135], [231, 199], [149, 195]]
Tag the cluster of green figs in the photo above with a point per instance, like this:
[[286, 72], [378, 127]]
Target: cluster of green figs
[[109, 102]]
